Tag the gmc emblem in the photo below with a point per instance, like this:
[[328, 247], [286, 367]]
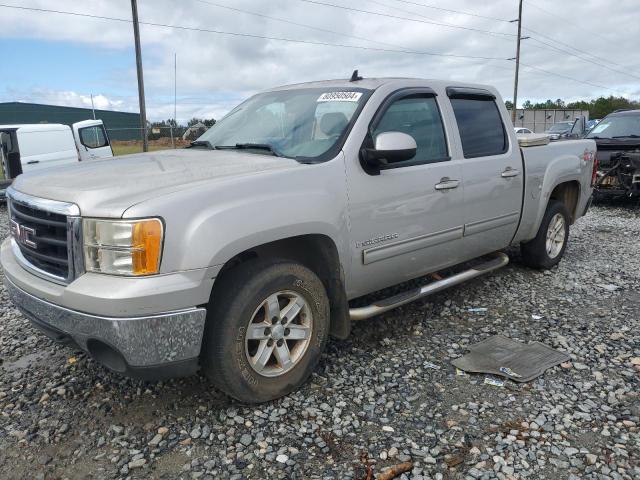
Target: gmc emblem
[[23, 234]]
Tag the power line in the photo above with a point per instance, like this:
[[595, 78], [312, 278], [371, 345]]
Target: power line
[[460, 12], [558, 49], [499, 35], [446, 24], [298, 24], [570, 46], [567, 77], [554, 47], [469, 28], [250, 35], [566, 20], [388, 15]]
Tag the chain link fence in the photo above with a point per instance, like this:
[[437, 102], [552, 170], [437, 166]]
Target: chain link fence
[[125, 141]]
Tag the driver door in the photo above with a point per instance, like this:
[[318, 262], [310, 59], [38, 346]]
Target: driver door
[[408, 220]]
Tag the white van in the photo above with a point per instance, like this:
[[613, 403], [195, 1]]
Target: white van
[[24, 148]]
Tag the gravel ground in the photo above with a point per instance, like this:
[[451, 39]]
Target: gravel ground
[[375, 400]]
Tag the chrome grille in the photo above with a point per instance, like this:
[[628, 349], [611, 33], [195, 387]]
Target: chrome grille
[[42, 238], [44, 235]]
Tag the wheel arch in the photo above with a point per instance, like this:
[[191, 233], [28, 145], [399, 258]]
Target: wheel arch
[[319, 253], [569, 194]]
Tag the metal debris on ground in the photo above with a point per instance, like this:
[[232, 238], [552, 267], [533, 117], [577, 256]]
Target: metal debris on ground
[[499, 355], [477, 310], [496, 382], [460, 373]]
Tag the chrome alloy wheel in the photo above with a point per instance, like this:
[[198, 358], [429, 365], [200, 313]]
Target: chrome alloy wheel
[[555, 235], [279, 333]]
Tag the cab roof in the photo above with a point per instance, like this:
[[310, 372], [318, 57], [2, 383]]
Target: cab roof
[[375, 83]]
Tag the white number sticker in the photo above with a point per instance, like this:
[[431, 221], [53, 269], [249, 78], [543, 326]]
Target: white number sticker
[[340, 97]]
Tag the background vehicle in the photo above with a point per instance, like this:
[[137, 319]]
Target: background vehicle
[[592, 123], [617, 137], [25, 148], [241, 255], [522, 130], [559, 130]]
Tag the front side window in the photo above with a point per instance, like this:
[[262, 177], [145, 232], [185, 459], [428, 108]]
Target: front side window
[[419, 117], [305, 123], [93, 137], [481, 129]]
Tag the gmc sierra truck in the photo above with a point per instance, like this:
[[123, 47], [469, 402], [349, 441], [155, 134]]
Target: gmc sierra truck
[[240, 255]]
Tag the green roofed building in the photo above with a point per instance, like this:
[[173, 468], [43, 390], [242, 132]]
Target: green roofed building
[[119, 125]]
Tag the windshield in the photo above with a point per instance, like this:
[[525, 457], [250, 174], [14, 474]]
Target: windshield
[[299, 123], [560, 127], [617, 126]]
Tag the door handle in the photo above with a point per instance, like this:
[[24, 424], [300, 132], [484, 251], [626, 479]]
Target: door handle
[[31, 162], [446, 184], [510, 172]]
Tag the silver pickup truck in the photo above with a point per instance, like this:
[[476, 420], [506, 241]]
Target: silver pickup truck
[[240, 255]]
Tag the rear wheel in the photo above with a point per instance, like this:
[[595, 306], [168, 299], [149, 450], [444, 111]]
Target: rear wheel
[[547, 248], [266, 328]]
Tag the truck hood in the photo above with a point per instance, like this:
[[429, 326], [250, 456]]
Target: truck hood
[[108, 187]]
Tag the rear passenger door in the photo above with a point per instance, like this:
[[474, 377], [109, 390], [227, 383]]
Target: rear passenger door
[[491, 171]]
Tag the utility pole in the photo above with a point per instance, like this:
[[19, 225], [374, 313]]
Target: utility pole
[[143, 110], [93, 108], [515, 83], [175, 89]]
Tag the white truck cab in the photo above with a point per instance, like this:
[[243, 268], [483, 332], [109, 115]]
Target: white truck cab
[[30, 147]]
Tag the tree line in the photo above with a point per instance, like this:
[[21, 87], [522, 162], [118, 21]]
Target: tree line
[[597, 107], [207, 122]]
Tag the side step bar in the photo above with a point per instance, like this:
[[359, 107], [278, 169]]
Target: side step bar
[[500, 260]]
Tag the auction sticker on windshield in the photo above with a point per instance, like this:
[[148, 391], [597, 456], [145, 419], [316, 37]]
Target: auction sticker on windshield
[[340, 97]]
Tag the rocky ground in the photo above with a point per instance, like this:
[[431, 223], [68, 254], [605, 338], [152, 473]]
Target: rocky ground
[[385, 396]]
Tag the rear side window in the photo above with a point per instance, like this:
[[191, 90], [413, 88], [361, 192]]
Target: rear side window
[[93, 137], [481, 129], [419, 117]]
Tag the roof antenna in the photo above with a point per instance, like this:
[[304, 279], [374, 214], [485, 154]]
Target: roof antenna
[[355, 77]]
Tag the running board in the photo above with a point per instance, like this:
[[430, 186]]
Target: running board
[[500, 260]]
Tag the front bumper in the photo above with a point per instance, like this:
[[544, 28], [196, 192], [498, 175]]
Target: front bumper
[[137, 346]]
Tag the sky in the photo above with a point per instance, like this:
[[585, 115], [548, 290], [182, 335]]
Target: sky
[[575, 50]]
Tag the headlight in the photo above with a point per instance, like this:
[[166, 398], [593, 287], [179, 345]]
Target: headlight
[[122, 247]]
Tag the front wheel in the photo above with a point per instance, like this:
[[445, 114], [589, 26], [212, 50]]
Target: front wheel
[[267, 326], [547, 248]]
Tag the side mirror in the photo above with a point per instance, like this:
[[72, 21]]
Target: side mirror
[[391, 147]]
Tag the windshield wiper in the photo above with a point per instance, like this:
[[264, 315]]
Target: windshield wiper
[[250, 146], [202, 143], [633, 135]]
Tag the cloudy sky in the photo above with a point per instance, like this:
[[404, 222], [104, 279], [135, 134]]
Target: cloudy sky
[[577, 49]]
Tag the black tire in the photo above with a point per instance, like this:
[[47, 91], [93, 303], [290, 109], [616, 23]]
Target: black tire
[[231, 308], [534, 253]]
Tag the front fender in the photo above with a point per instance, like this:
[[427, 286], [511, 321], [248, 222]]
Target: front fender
[[210, 224]]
